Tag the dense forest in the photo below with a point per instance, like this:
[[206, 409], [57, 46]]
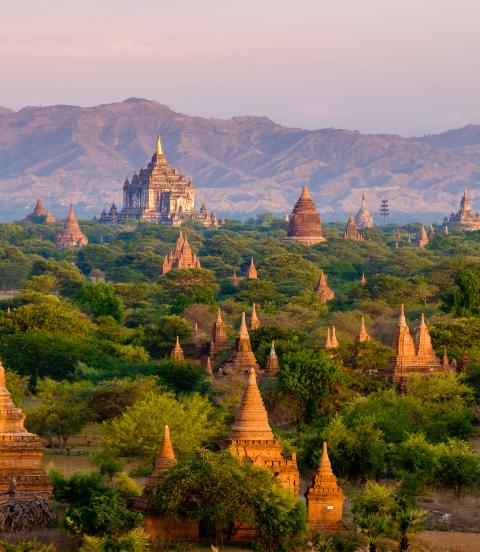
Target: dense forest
[[88, 358]]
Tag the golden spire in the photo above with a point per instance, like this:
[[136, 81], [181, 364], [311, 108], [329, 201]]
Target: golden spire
[[177, 351], [251, 422], [324, 467], [243, 332], [159, 150], [363, 334], [305, 193], [401, 320]]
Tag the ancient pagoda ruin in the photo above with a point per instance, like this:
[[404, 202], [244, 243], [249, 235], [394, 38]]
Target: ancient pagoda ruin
[[21, 452], [181, 257], [162, 194], [40, 215], [363, 218], [252, 438], [466, 218], [272, 367], [71, 235], [304, 223], [413, 357], [324, 498], [351, 230], [322, 290], [242, 358]]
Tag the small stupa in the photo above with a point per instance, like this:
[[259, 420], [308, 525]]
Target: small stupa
[[363, 334], [304, 223], [254, 323], [363, 280], [177, 351], [333, 338], [324, 498], [165, 460], [272, 367], [71, 235], [351, 230], [252, 271], [219, 339], [242, 358], [363, 218], [423, 238], [235, 279], [322, 290]]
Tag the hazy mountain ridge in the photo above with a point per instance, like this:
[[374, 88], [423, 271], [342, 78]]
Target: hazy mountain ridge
[[243, 164]]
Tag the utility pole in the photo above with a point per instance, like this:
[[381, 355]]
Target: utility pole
[[384, 211]]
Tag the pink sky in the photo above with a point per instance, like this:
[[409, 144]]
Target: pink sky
[[404, 66]]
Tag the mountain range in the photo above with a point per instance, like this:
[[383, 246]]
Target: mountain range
[[241, 166]]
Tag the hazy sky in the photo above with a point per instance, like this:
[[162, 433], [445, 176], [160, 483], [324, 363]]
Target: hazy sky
[[403, 66]]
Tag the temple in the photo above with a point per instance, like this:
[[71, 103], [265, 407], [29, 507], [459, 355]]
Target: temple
[[423, 238], [304, 223], [272, 367], [331, 341], [181, 256], [112, 217], [252, 438], [324, 498], [165, 460], [413, 357], [363, 218], [71, 235], [252, 271], [161, 194], [177, 351], [363, 280], [254, 323], [21, 452], [322, 290], [218, 340], [466, 218], [363, 334], [351, 230], [40, 215], [242, 358]]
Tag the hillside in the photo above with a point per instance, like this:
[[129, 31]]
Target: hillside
[[241, 165]]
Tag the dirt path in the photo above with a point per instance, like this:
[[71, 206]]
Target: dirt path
[[450, 541]]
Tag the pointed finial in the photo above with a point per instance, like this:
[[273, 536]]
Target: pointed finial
[[402, 321], [243, 332], [159, 150], [305, 193], [272, 350]]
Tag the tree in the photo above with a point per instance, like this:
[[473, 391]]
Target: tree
[[465, 300], [101, 300], [159, 339], [407, 522]]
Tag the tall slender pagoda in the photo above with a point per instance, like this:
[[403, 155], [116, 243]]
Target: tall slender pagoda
[[242, 358], [254, 323], [165, 460], [252, 273], [363, 334]]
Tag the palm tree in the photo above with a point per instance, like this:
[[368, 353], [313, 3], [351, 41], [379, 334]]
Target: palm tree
[[408, 521]]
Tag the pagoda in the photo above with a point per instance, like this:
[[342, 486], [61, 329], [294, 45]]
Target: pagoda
[[112, 217], [40, 214], [413, 357], [331, 341], [363, 218], [304, 223], [242, 358], [71, 235], [252, 438], [272, 367], [324, 498], [431, 231], [218, 339], [423, 238], [235, 279], [363, 280], [21, 452], [177, 351], [165, 460], [322, 290], [181, 257], [252, 271], [254, 323], [351, 230], [466, 218], [363, 334]]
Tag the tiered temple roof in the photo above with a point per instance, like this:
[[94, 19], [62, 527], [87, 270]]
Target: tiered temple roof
[[324, 497], [252, 271], [177, 351], [351, 230], [423, 238], [322, 290], [181, 257], [363, 218], [252, 438], [21, 452], [272, 367], [466, 217], [242, 358], [40, 214], [71, 235], [254, 321], [304, 223]]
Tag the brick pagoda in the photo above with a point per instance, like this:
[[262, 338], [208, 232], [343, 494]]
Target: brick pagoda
[[272, 367], [363, 218], [242, 358], [177, 351], [252, 271], [322, 290], [254, 322], [71, 235], [423, 238], [363, 334], [304, 223], [181, 256], [351, 230], [40, 214]]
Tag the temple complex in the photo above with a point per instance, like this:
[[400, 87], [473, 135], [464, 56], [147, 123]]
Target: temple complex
[[351, 230], [252, 438], [242, 358], [324, 498], [322, 290], [112, 217], [71, 235], [181, 256], [423, 238], [413, 357], [21, 452], [177, 351], [272, 367], [161, 194], [252, 271], [466, 218], [304, 223], [40, 214], [363, 218], [363, 334], [254, 321]]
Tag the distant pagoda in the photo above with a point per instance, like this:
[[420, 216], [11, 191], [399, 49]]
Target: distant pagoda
[[466, 218], [351, 230], [71, 235], [272, 367], [112, 217], [252, 273], [177, 351], [218, 340], [181, 257], [304, 223], [254, 323], [363, 334], [40, 214], [322, 290], [363, 218], [242, 357], [422, 238]]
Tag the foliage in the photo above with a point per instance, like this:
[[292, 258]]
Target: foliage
[[26, 546], [465, 299], [100, 300], [135, 540]]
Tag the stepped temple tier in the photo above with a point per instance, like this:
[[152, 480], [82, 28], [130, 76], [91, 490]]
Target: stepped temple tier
[[466, 218], [71, 235], [161, 194], [304, 223], [21, 452], [413, 357], [252, 438], [363, 218], [40, 214], [242, 358], [351, 230], [324, 498], [181, 256], [322, 290]]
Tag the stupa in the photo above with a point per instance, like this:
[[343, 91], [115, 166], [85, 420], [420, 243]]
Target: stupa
[[252, 271], [333, 338], [21, 452], [177, 351], [363, 218], [363, 334], [324, 498], [165, 460], [304, 223], [351, 230], [40, 214], [322, 290], [363, 280], [181, 257], [252, 438], [71, 235], [112, 217], [328, 341], [254, 321], [242, 358], [466, 218], [423, 238], [235, 279], [272, 367]]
